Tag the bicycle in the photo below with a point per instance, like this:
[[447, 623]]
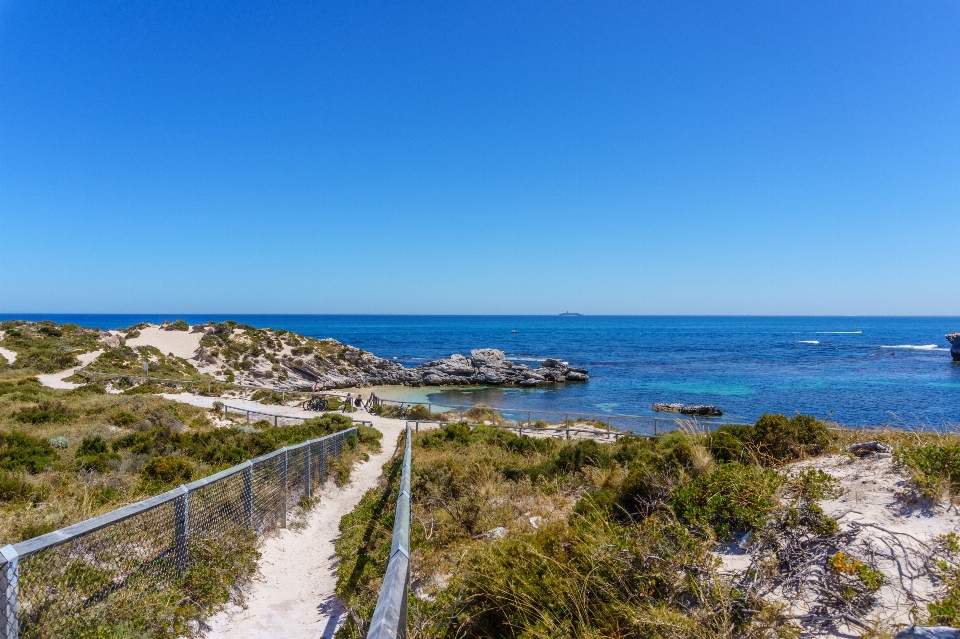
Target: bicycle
[[314, 403]]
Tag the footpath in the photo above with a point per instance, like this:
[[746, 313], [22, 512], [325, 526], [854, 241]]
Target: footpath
[[292, 595]]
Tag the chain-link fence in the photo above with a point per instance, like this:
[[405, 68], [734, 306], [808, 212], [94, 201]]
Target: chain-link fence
[[79, 580]]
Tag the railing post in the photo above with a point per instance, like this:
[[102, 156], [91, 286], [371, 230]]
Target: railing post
[[654, 426], [283, 517], [248, 494], [181, 529], [274, 421], [248, 417], [307, 469], [9, 592]]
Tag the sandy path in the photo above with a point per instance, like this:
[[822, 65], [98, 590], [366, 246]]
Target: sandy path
[[293, 594], [55, 380], [8, 355]]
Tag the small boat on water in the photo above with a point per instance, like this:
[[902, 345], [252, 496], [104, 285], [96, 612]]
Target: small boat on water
[[514, 331]]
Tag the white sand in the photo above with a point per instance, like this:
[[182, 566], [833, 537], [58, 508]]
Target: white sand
[[181, 343], [293, 594], [8, 355], [900, 531], [55, 380]]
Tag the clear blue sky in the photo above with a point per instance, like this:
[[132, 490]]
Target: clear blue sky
[[480, 157]]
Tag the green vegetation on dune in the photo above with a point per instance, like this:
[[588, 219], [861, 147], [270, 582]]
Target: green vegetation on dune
[[68, 455], [46, 347], [523, 538]]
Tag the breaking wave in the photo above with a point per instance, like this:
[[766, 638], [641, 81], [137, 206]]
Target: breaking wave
[[922, 347], [808, 341], [839, 332]]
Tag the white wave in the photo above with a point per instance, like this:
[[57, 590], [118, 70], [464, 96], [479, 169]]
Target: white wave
[[922, 347], [839, 332], [808, 341]]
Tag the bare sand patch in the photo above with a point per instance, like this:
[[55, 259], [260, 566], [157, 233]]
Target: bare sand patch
[[181, 343], [55, 380]]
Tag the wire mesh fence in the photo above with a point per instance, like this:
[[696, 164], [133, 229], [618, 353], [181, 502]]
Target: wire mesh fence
[[87, 578]]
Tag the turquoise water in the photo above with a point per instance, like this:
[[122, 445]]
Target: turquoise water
[[857, 370]]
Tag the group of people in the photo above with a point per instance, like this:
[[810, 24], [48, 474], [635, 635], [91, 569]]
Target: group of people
[[357, 401]]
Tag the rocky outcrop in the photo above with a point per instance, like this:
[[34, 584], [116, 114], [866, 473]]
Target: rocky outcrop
[[702, 410], [954, 339], [484, 367], [488, 366]]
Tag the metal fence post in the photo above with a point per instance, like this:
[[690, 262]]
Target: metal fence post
[[9, 605], [306, 472], [283, 517], [654, 426], [181, 529], [248, 494]]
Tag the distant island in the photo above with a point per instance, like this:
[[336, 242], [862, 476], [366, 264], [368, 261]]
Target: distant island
[[569, 314]]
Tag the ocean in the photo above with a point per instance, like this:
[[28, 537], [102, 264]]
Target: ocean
[[858, 371]]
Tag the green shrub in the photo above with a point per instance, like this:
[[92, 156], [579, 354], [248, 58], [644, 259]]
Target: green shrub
[[20, 451], [59, 442], [167, 470], [731, 499], [268, 397], [774, 439], [94, 455], [418, 412], [15, 490], [43, 412], [934, 469], [179, 325]]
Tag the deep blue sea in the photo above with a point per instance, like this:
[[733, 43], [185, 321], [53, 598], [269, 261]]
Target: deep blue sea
[[856, 370]]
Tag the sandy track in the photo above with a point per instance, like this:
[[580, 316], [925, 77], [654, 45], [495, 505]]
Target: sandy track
[[293, 593], [55, 380]]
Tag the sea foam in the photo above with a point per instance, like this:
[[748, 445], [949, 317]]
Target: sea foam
[[808, 341], [921, 347]]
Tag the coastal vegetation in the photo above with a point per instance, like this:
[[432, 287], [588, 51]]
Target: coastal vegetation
[[68, 455], [519, 537]]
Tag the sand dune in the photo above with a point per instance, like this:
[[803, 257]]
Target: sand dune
[[181, 343]]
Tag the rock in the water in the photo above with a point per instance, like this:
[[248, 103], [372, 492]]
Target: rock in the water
[[703, 410], [929, 632], [862, 449], [954, 339], [663, 407]]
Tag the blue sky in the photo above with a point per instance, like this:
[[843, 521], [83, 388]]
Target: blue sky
[[480, 157]]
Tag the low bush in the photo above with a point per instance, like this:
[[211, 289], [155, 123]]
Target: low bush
[[16, 490], [163, 471], [733, 498], [773, 439], [934, 469], [179, 325], [267, 397], [20, 451], [43, 412], [93, 454]]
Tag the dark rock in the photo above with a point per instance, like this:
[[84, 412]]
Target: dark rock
[[954, 339], [703, 410], [862, 449]]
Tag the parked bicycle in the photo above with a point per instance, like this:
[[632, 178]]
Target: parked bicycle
[[314, 403]]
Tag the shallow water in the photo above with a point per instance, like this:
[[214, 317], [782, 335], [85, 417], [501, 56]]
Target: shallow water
[[856, 370]]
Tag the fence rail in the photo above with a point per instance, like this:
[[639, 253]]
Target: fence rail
[[526, 418], [390, 616], [277, 417], [60, 583], [200, 383]]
